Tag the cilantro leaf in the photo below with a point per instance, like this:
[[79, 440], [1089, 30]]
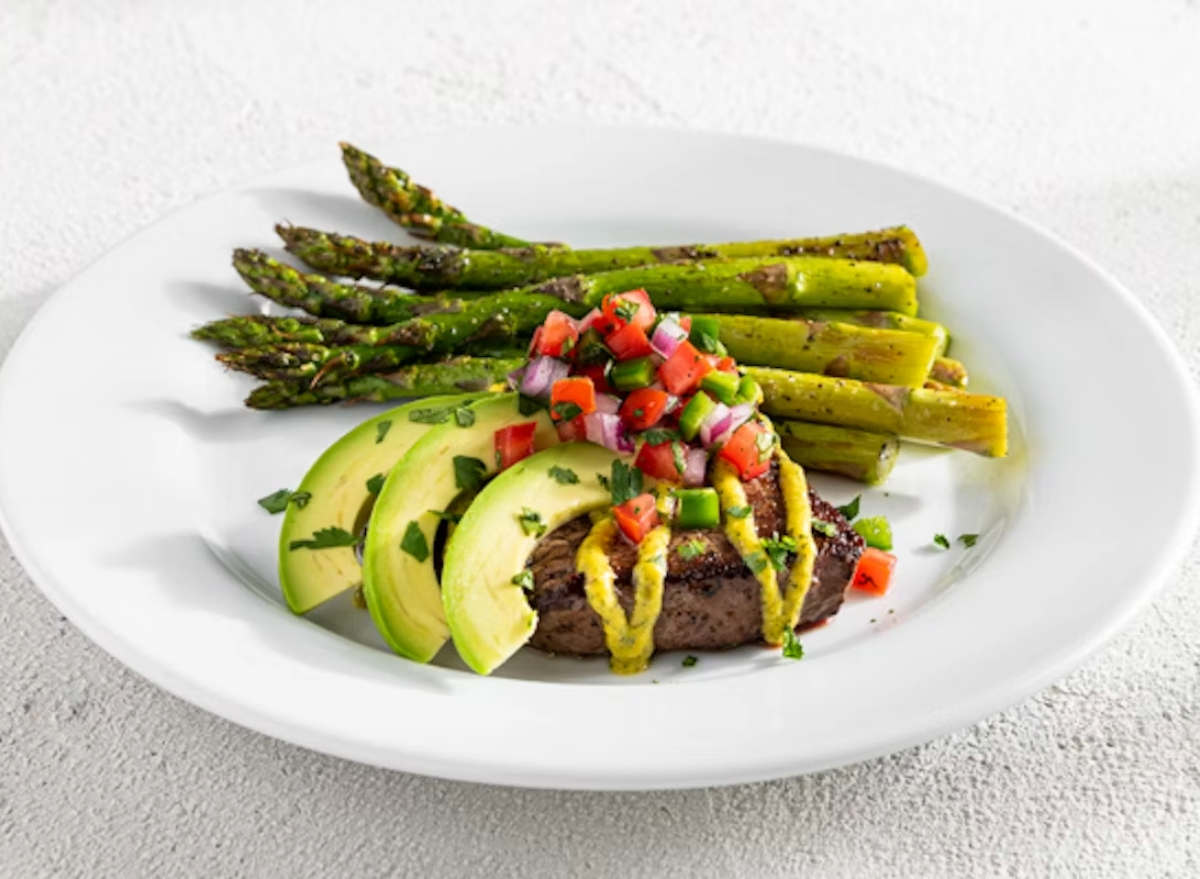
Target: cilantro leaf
[[791, 645], [277, 501], [565, 411], [740, 512], [529, 405], [381, 430], [413, 542], [777, 550], [452, 518], [691, 549], [968, 540], [757, 562], [626, 482], [710, 344], [531, 522], [564, 475], [469, 473], [656, 436], [689, 661], [602, 479], [626, 309], [825, 529], [524, 580], [940, 540], [301, 499], [850, 510], [375, 483], [325, 538], [464, 416], [433, 415]]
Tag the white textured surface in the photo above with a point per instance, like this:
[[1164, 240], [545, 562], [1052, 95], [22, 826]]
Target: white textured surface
[[1080, 116]]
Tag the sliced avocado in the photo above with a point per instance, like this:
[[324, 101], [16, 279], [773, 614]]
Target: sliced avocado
[[399, 583], [487, 611], [338, 497]]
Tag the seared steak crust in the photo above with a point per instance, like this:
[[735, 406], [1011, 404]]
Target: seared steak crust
[[709, 602]]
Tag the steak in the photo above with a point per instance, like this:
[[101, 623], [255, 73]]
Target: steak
[[711, 601]]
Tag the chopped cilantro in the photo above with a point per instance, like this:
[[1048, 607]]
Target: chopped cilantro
[[564, 475], [968, 540], [791, 645], [940, 540], [626, 309], [603, 480], [452, 518], [529, 405], [464, 416], [626, 483], [740, 512], [301, 499], [777, 550], [825, 529], [565, 411], [469, 473], [413, 542], [656, 436], [433, 415], [277, 501], [757, 562], [375, 483], [325, 538], [850, 510], [381, 430], [691, 549], [531, 522], [876, 531], [689, 661], [710, 344], [524, 580]]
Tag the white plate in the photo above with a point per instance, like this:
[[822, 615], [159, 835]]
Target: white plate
[[129, 473]]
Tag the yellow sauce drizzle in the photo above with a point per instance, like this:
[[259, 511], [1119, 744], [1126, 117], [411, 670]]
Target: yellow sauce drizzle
[[743, 534], [794, 486], [630, 639]]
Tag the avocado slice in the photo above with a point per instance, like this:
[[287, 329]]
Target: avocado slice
[[401, 588], [339, 498], [488, 613]]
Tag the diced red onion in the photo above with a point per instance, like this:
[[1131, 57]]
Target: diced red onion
[[607, 404], [672, 404], [657, 386], [740, 414], [667, 337], [541, 373], [514, 378], [715, 425], [695, 466], [608, 431], [586, 322]]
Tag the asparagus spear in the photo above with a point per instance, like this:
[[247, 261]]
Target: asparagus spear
[[974, 422], [321, 364], [453, 376], [889, 356], [883, 320], [857, 454], [318, 295], [499, 316], [415, 207], [949, 372], [438, 268]]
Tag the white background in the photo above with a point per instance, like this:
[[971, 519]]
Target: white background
[[1081, 116]]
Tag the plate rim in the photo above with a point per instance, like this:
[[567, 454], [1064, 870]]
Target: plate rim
[[962, 713]]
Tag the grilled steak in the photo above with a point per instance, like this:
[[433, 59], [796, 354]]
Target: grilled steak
[[710, 601]]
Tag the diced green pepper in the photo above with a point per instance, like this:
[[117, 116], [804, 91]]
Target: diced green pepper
[[590, 349], [749, 391], [722, 385], [698, 508], [629, 375], [693, 415], [876, 531]]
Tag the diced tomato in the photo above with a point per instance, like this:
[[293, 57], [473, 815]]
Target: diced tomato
[[629, 342], [874, 571], [615, 311], [744, 451], [682, 371], [660, 462], [643, 408], [638, 517], [598, 373], [556, 337], [577, 391], [573, 431], [727, 364], [514, 443]]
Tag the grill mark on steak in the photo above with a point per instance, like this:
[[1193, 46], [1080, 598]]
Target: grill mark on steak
[[711, 601]]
